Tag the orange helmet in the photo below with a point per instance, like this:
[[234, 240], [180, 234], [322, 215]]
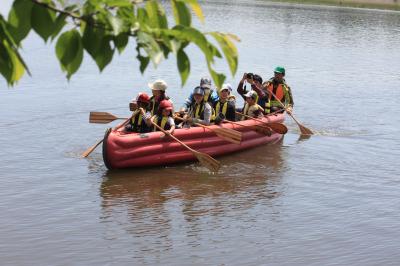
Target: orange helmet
[[143, 98], [165, 104]]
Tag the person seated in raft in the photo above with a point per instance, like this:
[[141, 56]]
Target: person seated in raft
[[139, 123], [253, 82], [225, 107], [158, 89], [209, 95], [164, 118], [251, 108], [200, 111]]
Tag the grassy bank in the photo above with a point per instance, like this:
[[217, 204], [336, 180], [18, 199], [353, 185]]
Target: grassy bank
[[375, 4]]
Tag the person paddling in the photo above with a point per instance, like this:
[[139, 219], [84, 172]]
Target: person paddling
[[164, 118], [225, 107], [200, 111], [158, 89], [281, 89], [251, 108], [139, 123]]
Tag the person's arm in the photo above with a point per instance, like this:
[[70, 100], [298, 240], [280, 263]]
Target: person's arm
[[242, 91], [147, 118], [172, 125], [258, 88]]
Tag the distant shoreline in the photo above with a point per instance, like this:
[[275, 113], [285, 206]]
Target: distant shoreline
[[375, 4]]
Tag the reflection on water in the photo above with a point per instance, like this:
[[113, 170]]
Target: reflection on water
[[148, 204]]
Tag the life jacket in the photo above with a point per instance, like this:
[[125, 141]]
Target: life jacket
[[198, 110], [250, 110], [138, 125], [221, 107], [153, 106], [162, 121], [280, 90]]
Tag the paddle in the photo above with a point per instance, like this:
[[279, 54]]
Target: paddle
[[102, 117], [205, 159], [260, 129], [304, 130], [106, 117], [275, 126], [224, 133]]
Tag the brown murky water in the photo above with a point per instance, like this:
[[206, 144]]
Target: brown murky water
[[332, 199]]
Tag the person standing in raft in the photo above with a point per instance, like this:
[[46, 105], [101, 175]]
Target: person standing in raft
[[158, 89], [251, 108], [200, 111], [164, 118], [225, 107], [282, 91], [139, 123]]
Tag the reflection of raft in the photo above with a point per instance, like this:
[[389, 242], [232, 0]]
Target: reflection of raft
[[123, 150]]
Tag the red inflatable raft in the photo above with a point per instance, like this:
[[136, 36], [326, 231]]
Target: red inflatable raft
[[124, 150]]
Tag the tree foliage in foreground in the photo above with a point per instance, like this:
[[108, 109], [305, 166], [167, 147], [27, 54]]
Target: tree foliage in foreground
[[102, 27]]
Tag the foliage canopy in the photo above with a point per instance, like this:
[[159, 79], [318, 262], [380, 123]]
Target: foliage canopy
[[101, 27]]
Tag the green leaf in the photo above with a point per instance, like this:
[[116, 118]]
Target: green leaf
[[104, 57], [97, 44], [116, 24], [69, 51], [229, 50], [151, 47], [144, 61], [42, 20], [218, 78], [119, 3], [196, 8], [121, 41], [11, 66], [6, 66], [181, 13], [19, 19], [156, 14], [183, 66], [58, 25]]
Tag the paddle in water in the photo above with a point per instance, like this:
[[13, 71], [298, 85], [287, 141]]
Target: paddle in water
[[304, 130]]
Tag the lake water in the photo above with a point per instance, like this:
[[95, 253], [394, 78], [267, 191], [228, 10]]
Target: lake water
[[332, 199]]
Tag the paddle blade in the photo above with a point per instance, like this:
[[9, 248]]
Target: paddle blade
[[262, 130], [230, 135], [278, 127], [101, 117], [305, 131], [91, 149], [207, 161]]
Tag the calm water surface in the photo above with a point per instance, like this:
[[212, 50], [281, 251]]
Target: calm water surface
[[332, 199]]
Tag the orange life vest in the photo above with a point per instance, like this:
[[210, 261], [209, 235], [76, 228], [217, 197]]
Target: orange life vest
[[278, 90]]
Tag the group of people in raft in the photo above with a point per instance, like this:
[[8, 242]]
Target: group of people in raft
[[206, 105]]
